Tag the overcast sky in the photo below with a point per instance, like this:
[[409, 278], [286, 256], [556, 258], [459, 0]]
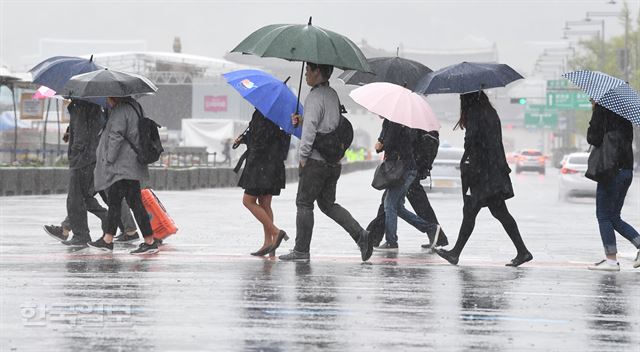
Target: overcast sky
[[32, 30]]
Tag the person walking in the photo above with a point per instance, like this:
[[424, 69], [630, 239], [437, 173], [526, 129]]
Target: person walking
[[612, 190], [425, 149], [119, 172], [485, 175], [86, 121], [318, 177], [397, 143], [264, 174]]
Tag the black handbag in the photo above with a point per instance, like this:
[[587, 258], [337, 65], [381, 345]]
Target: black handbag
[[603, 161], [389, 174]]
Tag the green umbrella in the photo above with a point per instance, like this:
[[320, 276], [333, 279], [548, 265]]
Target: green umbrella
[[306, 43]]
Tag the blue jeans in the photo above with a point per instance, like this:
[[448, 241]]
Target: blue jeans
[[609, 201], [394, 207]]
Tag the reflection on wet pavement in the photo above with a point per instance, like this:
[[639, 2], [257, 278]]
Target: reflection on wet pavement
[[204, 292]]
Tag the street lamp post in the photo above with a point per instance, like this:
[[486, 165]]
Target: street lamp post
[[626, 34], [589, 22]]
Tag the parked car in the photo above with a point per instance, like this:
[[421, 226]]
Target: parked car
[[573, 183], [445, 173], [531, 160]]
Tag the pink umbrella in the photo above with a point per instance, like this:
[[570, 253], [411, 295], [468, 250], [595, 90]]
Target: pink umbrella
[[397, 104], [44, 93]]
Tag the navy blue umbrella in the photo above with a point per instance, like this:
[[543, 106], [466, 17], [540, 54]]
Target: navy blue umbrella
[[467, 77], [54, 72], [609, 92]]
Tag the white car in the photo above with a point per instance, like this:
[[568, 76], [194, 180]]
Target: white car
[[572, 180], [445, 173]]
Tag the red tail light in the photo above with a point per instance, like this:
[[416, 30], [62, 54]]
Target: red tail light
[[541, 159], [566, 171]]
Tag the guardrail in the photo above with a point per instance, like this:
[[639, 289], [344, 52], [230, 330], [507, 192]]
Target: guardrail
[[54, 180]]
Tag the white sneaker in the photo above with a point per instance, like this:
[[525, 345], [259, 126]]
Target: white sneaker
[[636, 263], [604, 265]]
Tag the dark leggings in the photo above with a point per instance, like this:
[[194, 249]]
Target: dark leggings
[[499, 211], [129, 190]]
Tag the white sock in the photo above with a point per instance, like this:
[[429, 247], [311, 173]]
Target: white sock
[[612, 262]]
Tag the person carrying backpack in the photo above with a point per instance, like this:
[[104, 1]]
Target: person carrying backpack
[[123, 154], [425, 149], [319, 173], [397, 141]]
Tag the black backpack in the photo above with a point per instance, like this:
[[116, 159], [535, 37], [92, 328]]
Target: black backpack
[[334, 144], [149, 145], [425, 150]]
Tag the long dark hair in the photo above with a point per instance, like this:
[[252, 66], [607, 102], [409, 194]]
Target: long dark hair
[[474, 101]]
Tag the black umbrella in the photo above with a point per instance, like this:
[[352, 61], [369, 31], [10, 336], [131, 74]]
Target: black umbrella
[[396, 70], [107, 83], [467, 77]]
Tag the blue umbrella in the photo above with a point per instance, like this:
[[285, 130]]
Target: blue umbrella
[[467, 77], [54, 72], [609, 92], [271, 96]]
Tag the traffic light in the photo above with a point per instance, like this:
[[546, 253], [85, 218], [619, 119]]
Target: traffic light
[[521, 101]]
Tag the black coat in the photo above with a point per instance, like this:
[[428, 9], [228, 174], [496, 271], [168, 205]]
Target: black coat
[[267, 147], [397, 142], [484, 167], [84, 128], [603, 120]]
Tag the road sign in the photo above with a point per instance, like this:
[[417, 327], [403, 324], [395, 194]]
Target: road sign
[[557, 84], [540, 119], [568, 100]]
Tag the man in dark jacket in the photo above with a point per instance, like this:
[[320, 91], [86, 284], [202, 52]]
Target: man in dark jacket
[[318, 177], [425, 149], [85, 125]]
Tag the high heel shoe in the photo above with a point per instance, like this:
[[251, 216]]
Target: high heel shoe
[[262, 252], [281, 236], [272, 254]]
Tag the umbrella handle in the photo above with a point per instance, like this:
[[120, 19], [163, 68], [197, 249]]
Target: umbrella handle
[[299, 91]]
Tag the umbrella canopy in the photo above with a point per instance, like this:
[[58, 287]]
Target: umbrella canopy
[[610, 92], [397, 104], [271, 96], [396, 70], [306, 43], [467, 77], [44, 93], [54, 72], [108, 83]]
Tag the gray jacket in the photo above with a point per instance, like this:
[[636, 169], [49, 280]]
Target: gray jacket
[[86, 123], [116, 160], [321, 115]]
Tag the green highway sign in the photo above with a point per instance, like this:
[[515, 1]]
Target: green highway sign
[[540, 119], [557, 84], [568, 100]]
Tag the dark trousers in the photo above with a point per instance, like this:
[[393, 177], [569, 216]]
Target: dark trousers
[[318, 182], [80, 200], [499, 210], [610, 197], [420, 203], [129, 190], [126, 223]]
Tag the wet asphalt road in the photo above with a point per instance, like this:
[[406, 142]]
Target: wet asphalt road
[[204, 292]]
